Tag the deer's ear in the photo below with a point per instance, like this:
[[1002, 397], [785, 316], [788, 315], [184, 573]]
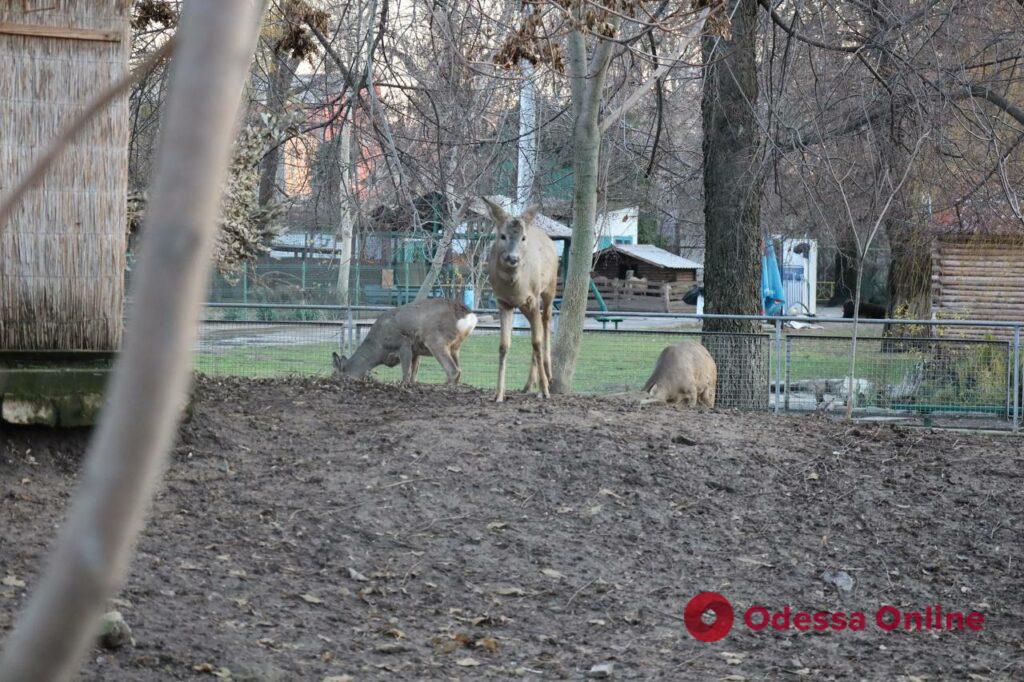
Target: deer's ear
[[338, 361], [498, 213], [530, 213]]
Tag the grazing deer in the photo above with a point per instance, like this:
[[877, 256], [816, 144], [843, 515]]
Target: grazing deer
[[685, 371], [523, 270], [436, 326]]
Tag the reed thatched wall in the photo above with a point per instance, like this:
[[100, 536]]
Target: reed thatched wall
[[62, 255]]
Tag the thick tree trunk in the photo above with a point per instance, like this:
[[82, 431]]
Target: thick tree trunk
[[844, 274], [910, 263], [732, 211], [277, 95]]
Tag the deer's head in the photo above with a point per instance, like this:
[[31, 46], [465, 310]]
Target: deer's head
[[510, 232]]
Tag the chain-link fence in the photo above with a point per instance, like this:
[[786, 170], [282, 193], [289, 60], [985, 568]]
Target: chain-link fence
[[940, 376]]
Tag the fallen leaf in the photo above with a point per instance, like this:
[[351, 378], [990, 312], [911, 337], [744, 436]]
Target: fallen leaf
[[356, 575], [394, 632], [12, 581], [467, 662], [311, 599], [609, 493], [496, 525], [732, 658], [552, 573], [488, 643], [203, 668]]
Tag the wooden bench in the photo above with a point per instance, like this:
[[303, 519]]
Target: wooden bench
[[604, 320]]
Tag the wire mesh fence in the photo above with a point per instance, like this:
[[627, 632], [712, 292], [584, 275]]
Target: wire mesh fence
[[942, 375]]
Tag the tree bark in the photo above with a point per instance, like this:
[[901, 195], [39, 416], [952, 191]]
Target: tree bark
[[345, 226], [732, 210], [910, 263], [277, 95], [587, 87], [845, 272], [130, 446]]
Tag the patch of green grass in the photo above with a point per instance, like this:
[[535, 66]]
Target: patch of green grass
[[613, 362]]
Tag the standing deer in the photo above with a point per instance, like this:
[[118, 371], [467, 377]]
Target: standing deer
[[523, 270]]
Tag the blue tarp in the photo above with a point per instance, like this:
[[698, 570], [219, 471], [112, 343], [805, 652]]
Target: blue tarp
[[773, 296]]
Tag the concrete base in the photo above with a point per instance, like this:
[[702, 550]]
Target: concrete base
[[53, 388]]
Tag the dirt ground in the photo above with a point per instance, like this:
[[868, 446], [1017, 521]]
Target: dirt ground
[[309, 529]]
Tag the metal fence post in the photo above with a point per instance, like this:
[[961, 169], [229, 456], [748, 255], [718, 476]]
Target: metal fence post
[[1016, 378], [789, 369], [245, 281], [778, 362], [349, 331]]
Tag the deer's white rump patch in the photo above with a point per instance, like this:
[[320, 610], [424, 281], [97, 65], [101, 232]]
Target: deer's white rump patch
[[466, 324]]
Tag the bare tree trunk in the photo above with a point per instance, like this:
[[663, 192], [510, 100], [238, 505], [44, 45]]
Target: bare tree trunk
[[732, 210], [345, 226], [845, 272], [587, 86], [130, 446], [527, 137]]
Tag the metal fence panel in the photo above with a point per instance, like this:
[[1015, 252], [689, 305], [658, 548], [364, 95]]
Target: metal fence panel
[[780, 369]]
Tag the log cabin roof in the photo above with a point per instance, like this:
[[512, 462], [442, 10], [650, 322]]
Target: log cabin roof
[[653, 255]]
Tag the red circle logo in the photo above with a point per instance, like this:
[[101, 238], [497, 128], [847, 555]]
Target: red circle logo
[[698, 606]]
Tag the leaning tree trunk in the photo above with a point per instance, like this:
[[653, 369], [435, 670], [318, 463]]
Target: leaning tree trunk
[[732, 211], [129, 448]]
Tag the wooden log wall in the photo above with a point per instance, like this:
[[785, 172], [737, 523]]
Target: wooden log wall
[[978, 278]]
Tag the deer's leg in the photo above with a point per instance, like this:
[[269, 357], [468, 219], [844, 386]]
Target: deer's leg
[[505, 315], [546, 319], [415, 367], [406, 356], [537, 336], [455, 356], [439, 349]]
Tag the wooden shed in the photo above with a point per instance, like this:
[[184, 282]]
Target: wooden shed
[[62, 254], [978, 267], [644, 277]]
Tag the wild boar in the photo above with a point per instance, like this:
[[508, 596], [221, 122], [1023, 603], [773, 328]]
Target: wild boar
[[871, 311], [435, 326], [685, 370]]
